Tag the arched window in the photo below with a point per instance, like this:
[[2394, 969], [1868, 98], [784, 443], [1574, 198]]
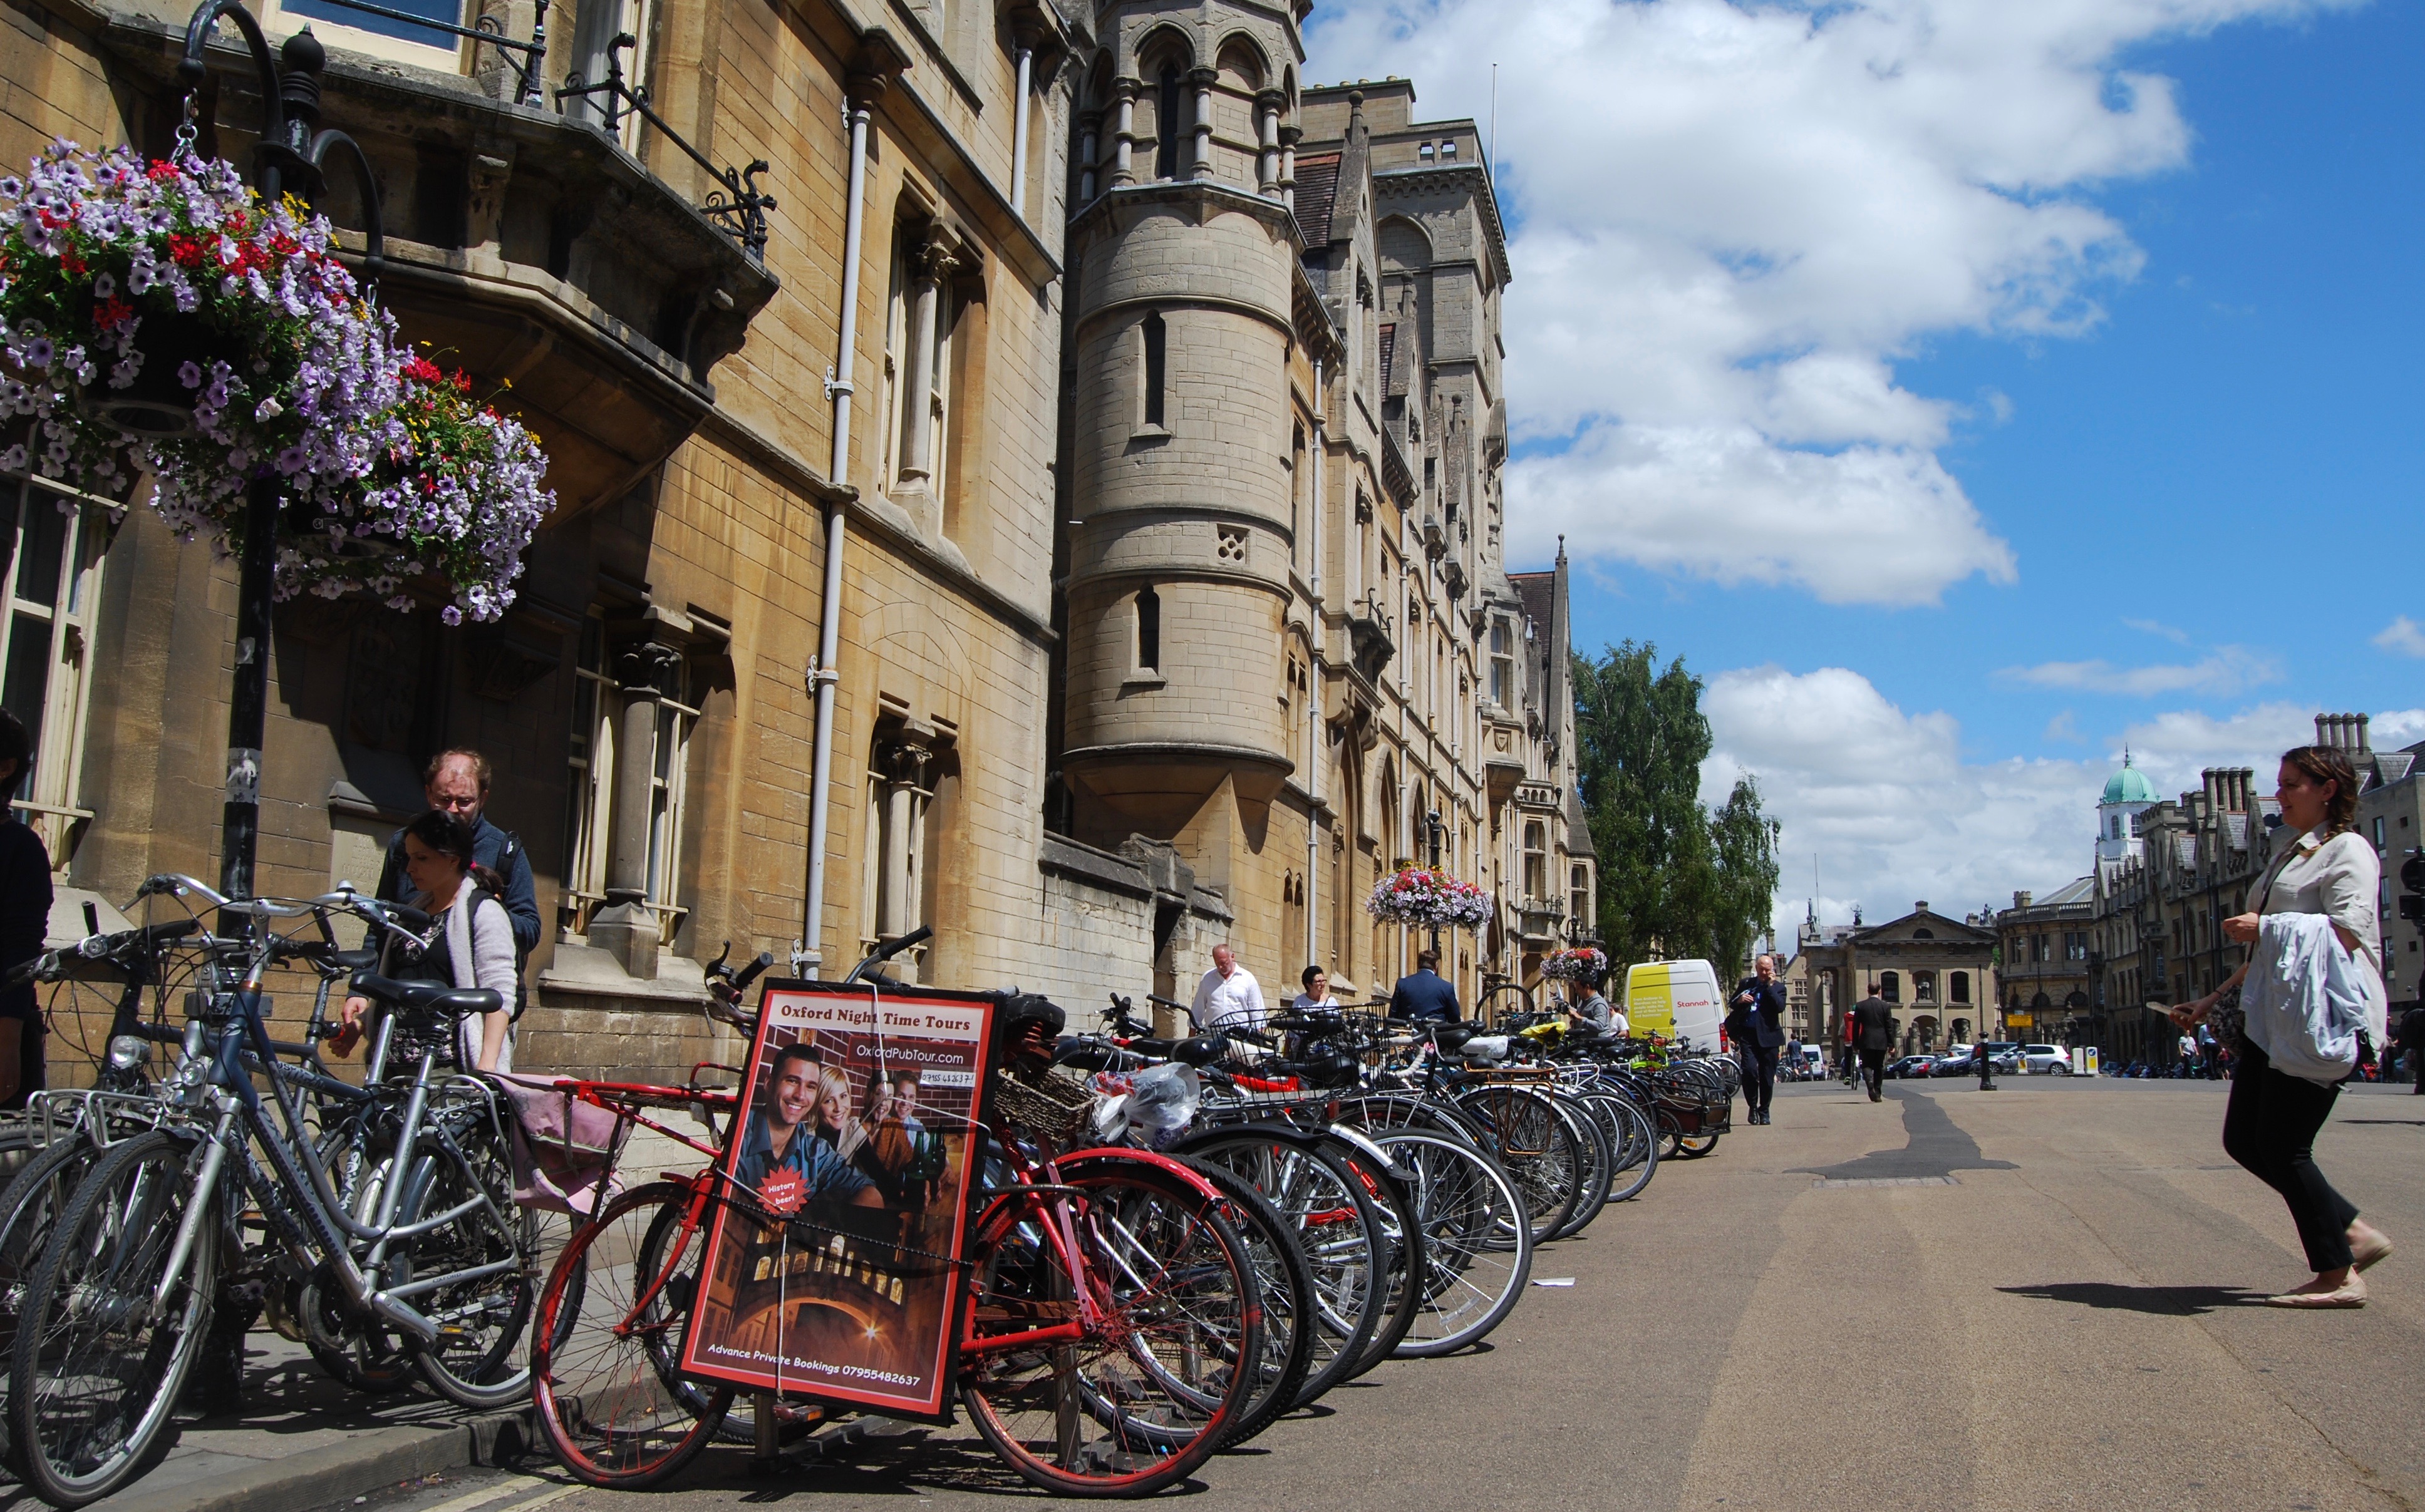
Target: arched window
[[1148, 629], [1156, 350], [1165, 122]]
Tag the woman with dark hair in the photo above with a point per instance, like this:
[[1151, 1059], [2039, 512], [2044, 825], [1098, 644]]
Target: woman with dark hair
[[475, 944], [24, 923], [2322, 868]]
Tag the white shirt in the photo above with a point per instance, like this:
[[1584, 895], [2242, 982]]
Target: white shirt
[[1232, 1002], [2340, 878]]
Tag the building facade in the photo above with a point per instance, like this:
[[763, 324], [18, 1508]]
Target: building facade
[[2042, 962], [2391, 814], [1291, 653], [1937, 973], [809, 653]]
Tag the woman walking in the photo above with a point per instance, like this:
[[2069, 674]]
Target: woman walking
[[2327, 870]]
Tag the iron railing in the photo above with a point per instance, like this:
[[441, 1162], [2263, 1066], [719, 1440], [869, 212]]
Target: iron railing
[[738, 206]]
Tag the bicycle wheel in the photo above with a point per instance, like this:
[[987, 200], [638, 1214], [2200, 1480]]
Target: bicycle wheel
[[46, 1178], [1334, 1224], [481, 1357], [97, 1367], [1522, 1130], [1466, 1209], [1598, 1164], [608, 1337], [1287, 1288], [1401, 1239], [1146, 1390], [1633, 1139]]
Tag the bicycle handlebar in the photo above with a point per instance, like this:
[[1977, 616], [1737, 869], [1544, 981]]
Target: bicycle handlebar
[[886, 949]]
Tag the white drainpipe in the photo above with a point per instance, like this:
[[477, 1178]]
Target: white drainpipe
[[1313, 701], [822, 671], [1018, 134]]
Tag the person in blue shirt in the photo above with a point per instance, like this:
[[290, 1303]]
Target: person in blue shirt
[[457, 782], [1425, 994], [782, 1137]]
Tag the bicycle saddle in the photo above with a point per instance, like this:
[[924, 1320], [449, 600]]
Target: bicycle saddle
[[437, 996]]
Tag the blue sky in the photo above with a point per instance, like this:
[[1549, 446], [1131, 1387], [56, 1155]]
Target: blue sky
[[2067, 402]]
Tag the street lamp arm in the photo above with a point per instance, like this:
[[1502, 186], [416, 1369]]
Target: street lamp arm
[[190, 68], [373, 227]]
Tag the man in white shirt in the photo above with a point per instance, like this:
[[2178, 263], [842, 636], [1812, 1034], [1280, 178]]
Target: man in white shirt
[[1228, 998]]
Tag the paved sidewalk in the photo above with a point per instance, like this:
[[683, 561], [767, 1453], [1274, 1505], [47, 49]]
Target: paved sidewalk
[[301, 1440]]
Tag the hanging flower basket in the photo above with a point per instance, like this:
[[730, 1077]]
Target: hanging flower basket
[[162, 317], [455, 491], [1582, 965], [1428, 899]]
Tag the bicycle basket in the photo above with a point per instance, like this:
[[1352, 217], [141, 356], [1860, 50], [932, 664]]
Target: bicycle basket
[[1052, 1106]]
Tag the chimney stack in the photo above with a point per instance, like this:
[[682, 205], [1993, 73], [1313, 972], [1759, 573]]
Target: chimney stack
[[2020, 900]]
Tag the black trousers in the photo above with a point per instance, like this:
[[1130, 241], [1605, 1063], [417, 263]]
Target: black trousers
[[2269, 1127], [1873, 1071], [1759, 1075]]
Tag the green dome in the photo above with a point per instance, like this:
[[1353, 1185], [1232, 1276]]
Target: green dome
[[2128, 786]]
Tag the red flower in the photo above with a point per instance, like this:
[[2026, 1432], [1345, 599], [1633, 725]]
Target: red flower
[[462, 381], [186, 251], [421, 369], [283, 246], [73, 261], [113, 313], [161, 171]]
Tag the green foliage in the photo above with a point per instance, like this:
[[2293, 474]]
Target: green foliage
[[1675, 880]]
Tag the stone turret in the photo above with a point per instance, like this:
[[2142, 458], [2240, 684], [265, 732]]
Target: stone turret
[[1183, 510]]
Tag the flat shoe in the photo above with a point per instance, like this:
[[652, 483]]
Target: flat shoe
[[2349, 1293], [2380, 1249]]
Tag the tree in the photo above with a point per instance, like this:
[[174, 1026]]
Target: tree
[[1675, 880]]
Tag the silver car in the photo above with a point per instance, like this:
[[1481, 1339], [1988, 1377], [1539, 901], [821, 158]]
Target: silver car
[[2045, 1060]]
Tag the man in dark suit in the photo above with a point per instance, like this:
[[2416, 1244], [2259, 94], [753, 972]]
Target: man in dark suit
[[1756, 1023], [1872, 1035], [1425, 994]]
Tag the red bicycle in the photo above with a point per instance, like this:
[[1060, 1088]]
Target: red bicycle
[[1106, 1315]]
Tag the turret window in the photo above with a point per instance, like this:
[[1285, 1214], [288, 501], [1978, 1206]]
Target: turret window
[[1165, 122], [1156, 365], [1148, 629]]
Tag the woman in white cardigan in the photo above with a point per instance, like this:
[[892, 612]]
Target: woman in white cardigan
[[2322, 868], [474, 947]]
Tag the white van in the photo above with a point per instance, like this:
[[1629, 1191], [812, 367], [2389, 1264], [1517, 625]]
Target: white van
[[1676, 998]]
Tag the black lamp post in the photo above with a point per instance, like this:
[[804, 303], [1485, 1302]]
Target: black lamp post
[[288, 159]]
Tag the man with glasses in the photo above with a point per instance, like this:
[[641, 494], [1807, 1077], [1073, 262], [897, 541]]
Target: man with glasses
[[457, 781]]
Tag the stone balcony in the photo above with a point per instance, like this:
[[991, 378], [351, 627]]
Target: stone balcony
[[528, 247]]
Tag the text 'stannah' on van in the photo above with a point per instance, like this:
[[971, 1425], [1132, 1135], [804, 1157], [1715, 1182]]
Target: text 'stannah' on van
[[1676, 998]]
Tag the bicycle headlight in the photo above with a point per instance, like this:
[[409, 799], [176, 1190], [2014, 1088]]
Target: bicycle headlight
[[128, 1051]]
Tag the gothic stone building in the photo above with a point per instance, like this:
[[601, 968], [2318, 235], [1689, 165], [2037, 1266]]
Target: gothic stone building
[[1293, 659], [790, 666], [1937, 973]]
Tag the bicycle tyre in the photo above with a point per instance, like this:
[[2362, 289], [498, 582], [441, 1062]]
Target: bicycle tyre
[[1522, 1132], [1132, 1218], [603, 1393], [1466, 1208], [78, 1444], [1635, 1140], [30, 1206], [1598, 1164], [1285, 1282], [1334, 1225], [1402, 1283], [480, 1359]]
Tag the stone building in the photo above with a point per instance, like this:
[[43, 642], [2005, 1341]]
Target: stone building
[[695, 695], [2391, 814], [2042, 962], [1937, 971], [827, 347], [2158, 936], [1292, 657]]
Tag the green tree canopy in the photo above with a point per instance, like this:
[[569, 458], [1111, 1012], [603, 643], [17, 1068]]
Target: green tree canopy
[[1675, 880]]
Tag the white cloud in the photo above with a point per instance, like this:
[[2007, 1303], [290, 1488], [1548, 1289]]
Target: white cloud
[[2065, 728], [1735, 220], [1893, 814], [2151, 626], [2230, 669], [2403, 635]]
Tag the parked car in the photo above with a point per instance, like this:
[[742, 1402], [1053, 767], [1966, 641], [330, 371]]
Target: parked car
[[1955, 1061], [2045, 1060], [1911, 1066]]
